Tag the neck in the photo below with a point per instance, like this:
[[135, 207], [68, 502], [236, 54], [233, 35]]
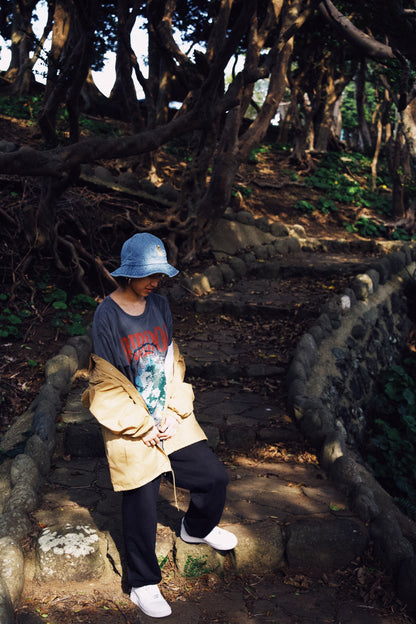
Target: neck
[[129, 300], [130, 294]]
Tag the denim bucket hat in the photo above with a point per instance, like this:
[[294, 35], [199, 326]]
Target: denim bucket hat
[[142, 255]]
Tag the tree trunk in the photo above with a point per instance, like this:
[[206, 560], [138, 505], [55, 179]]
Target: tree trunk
[[68, 67], [55, 88], [123, 94], [399, 165], [20, 68], [363, 130], [409, 125]]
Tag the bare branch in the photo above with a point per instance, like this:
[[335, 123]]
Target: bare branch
[[369, 46]]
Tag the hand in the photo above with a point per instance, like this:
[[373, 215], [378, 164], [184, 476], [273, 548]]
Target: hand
[[168, 428], [152, 437]]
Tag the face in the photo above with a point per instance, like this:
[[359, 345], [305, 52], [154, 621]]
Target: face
[[143, 286]]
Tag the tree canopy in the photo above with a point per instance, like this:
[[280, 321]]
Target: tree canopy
[[306, 54]]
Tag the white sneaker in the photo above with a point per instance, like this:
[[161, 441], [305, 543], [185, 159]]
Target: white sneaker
[[220, 539], [149, 599]]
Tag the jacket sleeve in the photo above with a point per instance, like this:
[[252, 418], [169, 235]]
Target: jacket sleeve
[[180, 403], [117, 409]]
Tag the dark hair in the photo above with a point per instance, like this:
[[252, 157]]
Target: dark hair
[[122, 281]]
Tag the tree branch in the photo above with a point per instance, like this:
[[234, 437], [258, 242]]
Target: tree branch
[[58, 161], [369, 46]]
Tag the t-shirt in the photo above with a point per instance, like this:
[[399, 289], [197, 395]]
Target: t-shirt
[[137, 346]]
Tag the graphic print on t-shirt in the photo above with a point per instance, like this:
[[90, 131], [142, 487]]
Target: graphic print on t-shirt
[[146, 353]]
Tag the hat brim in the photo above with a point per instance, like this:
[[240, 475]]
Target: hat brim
[[134, 272]]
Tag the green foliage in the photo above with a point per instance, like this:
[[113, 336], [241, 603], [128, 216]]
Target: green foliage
[[326, 205], [98, 127], [21, 107], [64, 314], [162, 561], [261, 149], [401, 234], [245, 191], [196, 566], [304, 206], [366, 227], [180, 147], [67, 315], [347, 179], [11, 321], [349, 108], [323, 205], [29, 107], [292, 175], [392, 445]]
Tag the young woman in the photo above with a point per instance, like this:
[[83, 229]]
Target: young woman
[[138, 394]]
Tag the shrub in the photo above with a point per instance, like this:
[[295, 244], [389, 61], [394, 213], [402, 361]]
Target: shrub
[[392, 442]]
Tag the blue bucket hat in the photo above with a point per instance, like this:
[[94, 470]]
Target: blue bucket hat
[[143, 255]]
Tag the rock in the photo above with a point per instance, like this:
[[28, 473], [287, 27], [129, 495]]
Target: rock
[[240, 437], [24, 469], [12, 567], [6, 606], [215, 277], [227, 272], [279, 230], [6, 147], [261, 252], [103, 174], [362, 286], [263, 224], [84, 440], [15, 524], [5, 482], [128, 180], [260, 547], [164, 544], [83, 346], [231, 237], [244, 216], [318, 546], [61, 363], [406, 584], [212, 434], [200, 284], [238, 266], [44, 423], [389, 544], [298, 231], [375, 278], [332, 449], [23, 497], [195, 560], [69, 554]]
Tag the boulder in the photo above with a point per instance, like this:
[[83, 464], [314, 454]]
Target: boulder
[[69, 553]]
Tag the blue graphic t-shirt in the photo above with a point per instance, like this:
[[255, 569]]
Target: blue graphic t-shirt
[[137, 346]]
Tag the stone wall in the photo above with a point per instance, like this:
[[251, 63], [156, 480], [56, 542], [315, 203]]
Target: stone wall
[[28, 447], [331, 382]]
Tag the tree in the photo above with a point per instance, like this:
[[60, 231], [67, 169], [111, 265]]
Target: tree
[[23, 42], [393, 22], [211, 115]]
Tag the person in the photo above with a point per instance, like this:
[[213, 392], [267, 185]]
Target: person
[[138, 394]]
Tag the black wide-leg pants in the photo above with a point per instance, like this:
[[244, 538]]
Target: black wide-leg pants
[[197, 469]]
